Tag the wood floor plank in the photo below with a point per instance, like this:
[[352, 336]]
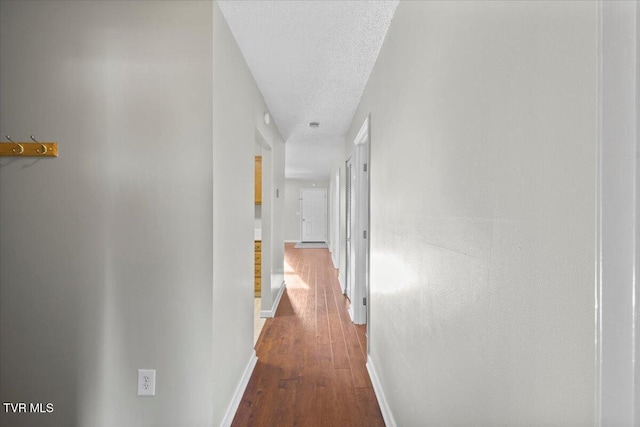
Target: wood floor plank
[[369, 409], [361, 331], [322, 318], [338, 344], [311, 358]]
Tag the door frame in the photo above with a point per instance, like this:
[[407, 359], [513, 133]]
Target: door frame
[[349, 262], [617, 216], [360, 301], [266, 220]]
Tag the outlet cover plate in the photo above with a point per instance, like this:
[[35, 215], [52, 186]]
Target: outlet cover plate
[[146, 382]]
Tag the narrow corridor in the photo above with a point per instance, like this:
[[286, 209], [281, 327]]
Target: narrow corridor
[[311, 358]]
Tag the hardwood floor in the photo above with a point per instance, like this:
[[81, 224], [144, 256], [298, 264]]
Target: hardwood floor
[[311, 357]]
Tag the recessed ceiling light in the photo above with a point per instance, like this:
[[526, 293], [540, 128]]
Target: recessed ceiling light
[[314, 124]]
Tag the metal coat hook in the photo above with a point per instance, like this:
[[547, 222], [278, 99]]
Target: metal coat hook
[[33, 149], [40, 150], [18, 149]]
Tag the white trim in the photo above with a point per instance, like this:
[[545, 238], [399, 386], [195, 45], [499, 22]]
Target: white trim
[[336, 265], [340, 282], [636, 248], [237, 396], [598, 254], [616, 308], [292, 241], [387, 415], [274, 307], [360, 215], [363, 133]]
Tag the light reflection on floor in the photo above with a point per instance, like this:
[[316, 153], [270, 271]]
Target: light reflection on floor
[[258, 322]]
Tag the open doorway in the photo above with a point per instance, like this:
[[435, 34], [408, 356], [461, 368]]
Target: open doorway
[[258, 321], [264, 275]]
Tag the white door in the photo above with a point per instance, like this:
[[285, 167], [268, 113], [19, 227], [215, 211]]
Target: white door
[[350, 261], [314, 214], [336, 222]]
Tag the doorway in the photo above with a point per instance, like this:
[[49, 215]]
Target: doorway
[[313, 221], [263, 208]]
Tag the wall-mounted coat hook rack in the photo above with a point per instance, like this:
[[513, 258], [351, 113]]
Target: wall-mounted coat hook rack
[[28, 149]]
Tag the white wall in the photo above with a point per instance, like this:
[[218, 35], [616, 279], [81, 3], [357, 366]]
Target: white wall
[[292, 205], [483, 133], [238, 109], [105, 262], [133, 249]]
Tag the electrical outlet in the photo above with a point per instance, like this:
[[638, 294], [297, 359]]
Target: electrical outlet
[[146, 382]]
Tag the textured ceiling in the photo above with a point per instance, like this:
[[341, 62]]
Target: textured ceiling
[[311, 60]]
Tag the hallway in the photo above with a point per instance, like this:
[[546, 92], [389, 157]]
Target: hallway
[[500, 145], [311, 358]]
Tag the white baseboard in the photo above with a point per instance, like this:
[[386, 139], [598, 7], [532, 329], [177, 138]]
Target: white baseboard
[[292, 241], [274, 306], [382, 400], [237, 396], [342, 288], [335, 262]]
